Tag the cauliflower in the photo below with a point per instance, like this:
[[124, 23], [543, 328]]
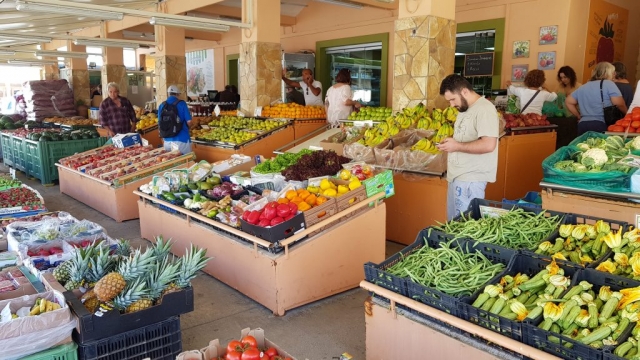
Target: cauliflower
[[583, 146], [635, 143], [594, 158]]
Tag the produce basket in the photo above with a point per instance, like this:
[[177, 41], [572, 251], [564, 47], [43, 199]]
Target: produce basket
[[376, 274], [159, 341], [61, 352], [7, 149], [529, 264], [558, 344], [531, 199]]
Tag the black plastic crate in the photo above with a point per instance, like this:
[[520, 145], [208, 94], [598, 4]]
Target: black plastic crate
[[475, 209], [529, 264], [539, 338], [162, 340], [91, 327]]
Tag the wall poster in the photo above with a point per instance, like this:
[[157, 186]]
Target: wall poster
[[606, 35], [199, 72]]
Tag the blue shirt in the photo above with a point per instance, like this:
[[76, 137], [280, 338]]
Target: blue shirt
[[184, 115], [588, 97]]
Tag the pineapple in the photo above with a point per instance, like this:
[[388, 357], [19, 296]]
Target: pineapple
[[161, 248], [79, 267], [124, 248], [100, 265], [90, 301], [62, 272], [160, 276], [132, 292], [129, 269], [193, 260]]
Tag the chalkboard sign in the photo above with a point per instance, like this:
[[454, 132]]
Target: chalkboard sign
[[478, 64]]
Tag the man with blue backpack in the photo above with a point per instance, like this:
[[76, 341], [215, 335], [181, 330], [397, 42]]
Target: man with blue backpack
[[173, 122]]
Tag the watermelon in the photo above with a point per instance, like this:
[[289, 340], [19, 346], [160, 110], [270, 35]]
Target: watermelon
[[45, 138], [6, 119]]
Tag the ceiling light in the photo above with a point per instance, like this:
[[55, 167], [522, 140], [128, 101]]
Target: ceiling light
[[18, 37], [63, 54], [189, 24], [65, 10], [341, 3], [32, 62], [7, 52], [106, 43], [490, 48]]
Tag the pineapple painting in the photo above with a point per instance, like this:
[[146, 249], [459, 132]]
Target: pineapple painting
[[605, 50]]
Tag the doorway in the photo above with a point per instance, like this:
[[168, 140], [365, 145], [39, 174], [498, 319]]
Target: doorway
[[232, 70]]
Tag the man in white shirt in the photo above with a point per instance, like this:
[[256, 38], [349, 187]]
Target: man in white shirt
[[311, 88]]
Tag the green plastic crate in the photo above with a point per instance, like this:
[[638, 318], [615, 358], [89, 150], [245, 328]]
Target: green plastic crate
[[41, 156], [7, 150], [62, 352], [17, 146]]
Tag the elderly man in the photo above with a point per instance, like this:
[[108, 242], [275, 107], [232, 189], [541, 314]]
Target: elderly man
[[116, 113]]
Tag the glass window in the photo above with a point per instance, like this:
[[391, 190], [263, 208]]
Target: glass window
[[470, 43], [129, 58], [94, 61], [364, 62]]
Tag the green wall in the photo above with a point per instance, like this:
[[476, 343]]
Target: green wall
[[498, 26], [232, 70], [322, 60]]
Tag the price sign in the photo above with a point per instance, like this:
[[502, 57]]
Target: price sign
[[489, 211], [206, 127], [637, 220], [12, 172], [216, 110], [257, 111]]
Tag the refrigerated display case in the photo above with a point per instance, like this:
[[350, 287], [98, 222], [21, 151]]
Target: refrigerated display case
[[364, 61], [294, 63]]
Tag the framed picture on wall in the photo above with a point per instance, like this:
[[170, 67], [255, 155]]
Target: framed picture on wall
[[547, 60], [521, 49], [518, 72], [549, 35]]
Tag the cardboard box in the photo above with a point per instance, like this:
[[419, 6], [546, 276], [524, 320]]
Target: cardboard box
[[381, 182], [215, 349], [330, 144], [225, 167], [276, 233], [126, 140], [24, 288]]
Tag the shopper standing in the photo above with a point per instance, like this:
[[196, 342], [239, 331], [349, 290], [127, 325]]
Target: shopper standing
[[599, 92], [338, 102], [116, 113], [534, 95], [311, 88], [178, 111], [620, 78], [568, 80], [473, 149]]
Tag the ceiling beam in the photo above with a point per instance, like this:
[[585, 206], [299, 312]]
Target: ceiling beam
[[237, 12], [381, 5]]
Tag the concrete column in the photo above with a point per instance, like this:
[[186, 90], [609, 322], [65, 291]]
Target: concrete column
[[113, 69], [260, 63], [78, 75], [171, 63], [424, 51], [50, 72]]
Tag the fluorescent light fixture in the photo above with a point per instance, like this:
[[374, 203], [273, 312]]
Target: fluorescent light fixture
[[32, 62], [7, 52], [342, 3], [18, 37], [189, 24], [63, 54], [106, 43], [67, 10], [490, 48], [459, 54]]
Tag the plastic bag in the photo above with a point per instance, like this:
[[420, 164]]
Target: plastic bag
[[513, 105], [359, 152]]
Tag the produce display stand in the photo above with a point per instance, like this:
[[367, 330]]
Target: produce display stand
[[117, 202], [302, 127], [285, 280], [614, 206], [152, 135], [406, 330], [264, 144]]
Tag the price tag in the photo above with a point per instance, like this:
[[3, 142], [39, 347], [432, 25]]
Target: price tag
[[12, 172], [315, 148], [637, 220], [491, 211], [240, 114], [257, 111], [206, 127], [216, 110]]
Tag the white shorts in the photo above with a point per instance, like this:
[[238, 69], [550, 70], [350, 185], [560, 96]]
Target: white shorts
[[184, 148], [460, 194]]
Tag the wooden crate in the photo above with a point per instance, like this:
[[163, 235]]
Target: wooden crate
[[621, 210], [264, 147]]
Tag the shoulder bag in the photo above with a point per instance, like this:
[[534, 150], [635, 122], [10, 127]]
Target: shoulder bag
[[530, 100], [611, 113]]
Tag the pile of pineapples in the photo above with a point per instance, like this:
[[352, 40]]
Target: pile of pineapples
[[128, 280]]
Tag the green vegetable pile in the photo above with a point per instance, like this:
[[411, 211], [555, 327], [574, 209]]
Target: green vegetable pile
[[8, 181], [447, 269], [515, 229], [280, 162], [596, 155]]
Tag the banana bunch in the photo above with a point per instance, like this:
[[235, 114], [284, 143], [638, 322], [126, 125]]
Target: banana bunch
[[437, 115], [383, 128], [42, 306], [450, 114], [445, 130], [425, 145], [424, 123], [405, 121]]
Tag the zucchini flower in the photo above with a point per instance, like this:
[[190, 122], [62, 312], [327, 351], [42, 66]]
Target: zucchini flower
[[621, 259], [584, 332], [592, 233], [558, 256], [569, 244], [493, 290], [632, 235], [602, 227], [578, 299], [613, 240], [610, 341], [506, 280], [631, 315], [552, 311], [545, 246], [607, 266], [585, 285], [586, 297], [578, 232], [553, 268], [628, 296], [635, 264], [612, 325], [605, 293], [520, 278], [559, 280], [585, 259], [582, 319], [566, 230], [519, 309]]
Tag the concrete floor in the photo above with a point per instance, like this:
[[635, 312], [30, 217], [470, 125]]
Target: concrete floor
[[321, 330]]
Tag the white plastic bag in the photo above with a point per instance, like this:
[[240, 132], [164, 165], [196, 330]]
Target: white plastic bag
[[635, 184]]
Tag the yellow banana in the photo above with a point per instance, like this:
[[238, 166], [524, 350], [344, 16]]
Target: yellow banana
[[49, 306], [43, 305]]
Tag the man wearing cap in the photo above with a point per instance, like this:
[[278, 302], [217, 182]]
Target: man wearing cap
[[183, 140]]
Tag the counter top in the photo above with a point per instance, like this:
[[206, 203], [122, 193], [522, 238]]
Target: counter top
[[314, 141]]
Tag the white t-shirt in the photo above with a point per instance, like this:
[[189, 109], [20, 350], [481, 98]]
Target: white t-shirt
[[636, 99], [525, 94], [337, 96], [309, 97]]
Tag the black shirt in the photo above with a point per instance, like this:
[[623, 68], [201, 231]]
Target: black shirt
[[627, 92]]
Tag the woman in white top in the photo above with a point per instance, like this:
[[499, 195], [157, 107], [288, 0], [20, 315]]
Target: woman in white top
[[534, 89], [338, 102]]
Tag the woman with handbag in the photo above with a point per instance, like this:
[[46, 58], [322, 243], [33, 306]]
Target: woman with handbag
[[534, 95], [600, 100]]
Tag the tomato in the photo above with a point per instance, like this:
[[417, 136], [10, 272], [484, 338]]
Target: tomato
[[635, 116], [617, 128], [251, 353], [234, 345], [233, 355], [635, 110], [271, 352], [249, 342], [636, 123]]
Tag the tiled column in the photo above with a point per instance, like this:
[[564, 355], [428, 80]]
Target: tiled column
[[113, 69], [171, 63], [50, 72], [424, 53], [78, 76], [260, 63]]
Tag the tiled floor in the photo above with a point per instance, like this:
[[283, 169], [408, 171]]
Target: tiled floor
[[321, 330]]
